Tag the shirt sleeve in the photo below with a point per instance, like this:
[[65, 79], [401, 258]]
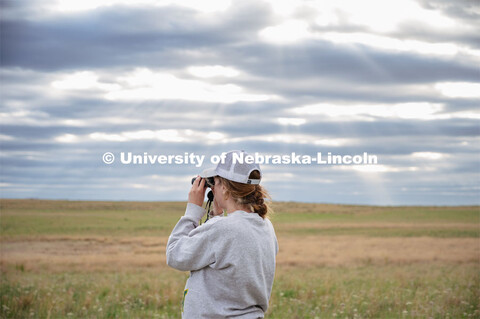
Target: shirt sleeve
[[188, 246]]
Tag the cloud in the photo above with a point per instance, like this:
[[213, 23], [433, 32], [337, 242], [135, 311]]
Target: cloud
[[275, 77], [160, 36], [144, 84]]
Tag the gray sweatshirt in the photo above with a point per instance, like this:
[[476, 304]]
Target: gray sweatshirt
[[231, 262]]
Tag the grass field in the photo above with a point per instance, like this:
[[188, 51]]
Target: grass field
[[75, 259]]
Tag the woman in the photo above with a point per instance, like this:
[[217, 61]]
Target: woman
[[231, 258]]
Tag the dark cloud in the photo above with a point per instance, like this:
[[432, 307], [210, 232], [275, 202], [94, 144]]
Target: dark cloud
[[325, 60], [119, 35], [466, 10], [157, 36]]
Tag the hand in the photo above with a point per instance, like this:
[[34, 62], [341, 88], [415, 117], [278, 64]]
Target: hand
[[197, 192], [217, 210]]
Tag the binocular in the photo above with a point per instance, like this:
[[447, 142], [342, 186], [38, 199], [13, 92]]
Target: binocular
[[209, 181]]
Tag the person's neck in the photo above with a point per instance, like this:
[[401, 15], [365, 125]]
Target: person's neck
[[231, 207]]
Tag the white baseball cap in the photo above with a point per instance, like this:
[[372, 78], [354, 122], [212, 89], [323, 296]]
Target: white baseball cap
[[234, 168]]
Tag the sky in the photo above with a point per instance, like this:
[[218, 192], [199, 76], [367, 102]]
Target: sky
[[399, 80]]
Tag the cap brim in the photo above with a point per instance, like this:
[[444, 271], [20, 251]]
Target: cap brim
[[209, 172]]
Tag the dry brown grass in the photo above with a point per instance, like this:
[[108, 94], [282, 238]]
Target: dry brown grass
[[84, 254], [373, 225], [357, 250], [123, 253]]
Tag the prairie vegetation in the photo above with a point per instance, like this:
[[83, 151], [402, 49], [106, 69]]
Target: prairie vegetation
[[75, 259]]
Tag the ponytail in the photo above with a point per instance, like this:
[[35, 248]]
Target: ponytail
[[258, 203]]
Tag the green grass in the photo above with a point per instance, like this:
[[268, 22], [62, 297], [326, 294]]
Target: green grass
[[142, 294], [300, 212], [388, 232], [38, 217], [414, 291]]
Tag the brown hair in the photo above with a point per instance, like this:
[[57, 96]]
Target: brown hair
[[249, 194]]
